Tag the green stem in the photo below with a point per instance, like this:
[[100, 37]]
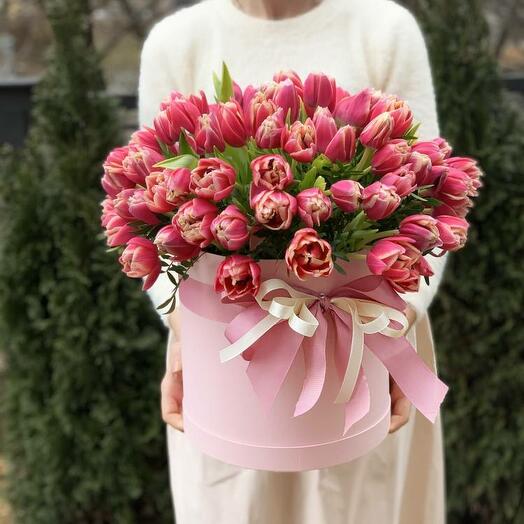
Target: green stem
[[365, 161]]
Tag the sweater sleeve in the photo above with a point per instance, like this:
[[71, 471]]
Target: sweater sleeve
[[154, 85], [408, 75]]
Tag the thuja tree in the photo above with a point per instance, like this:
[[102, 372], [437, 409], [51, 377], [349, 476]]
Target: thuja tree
[[85, 440], [477, 317]]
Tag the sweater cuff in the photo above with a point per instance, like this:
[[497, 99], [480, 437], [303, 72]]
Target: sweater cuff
[[421, 300]]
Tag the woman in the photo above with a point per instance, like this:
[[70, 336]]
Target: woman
[[361, 43]]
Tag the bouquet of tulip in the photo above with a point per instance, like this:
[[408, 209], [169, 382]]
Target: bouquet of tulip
[[299, 172]]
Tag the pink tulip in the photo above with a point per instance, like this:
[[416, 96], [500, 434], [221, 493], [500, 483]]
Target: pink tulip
[[140, 259], [213, 179], [402, 116], [453, 232], [422, 229], [208, 135], [300, 142], [230, 228], [320, 91], [164, 128], [271, 172], [182, 113], [274, 209], [146, 137], [444, 147], [155, 194], [290, 75], [139, 162], [458, 208], [287, 98], [121, 204], [378, 132], [169, 240], [325, 128], [470, 167], [272, 133], [308, 255], [390, 156], [108, 210], [402, 179], [421, 166], [193, 219], [238, 276], [341, 94], [231, 122], [379, 201], [453, 185], [257, 107], [237, 93], [139, 209], [118, 232], [342, 146], [355, 110], [347, 195], [314, 207], [432, 150], [177, 185], [399, 261], [115, 178]]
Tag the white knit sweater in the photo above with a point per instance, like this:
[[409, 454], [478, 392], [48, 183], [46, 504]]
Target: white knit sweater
[[361, 43]]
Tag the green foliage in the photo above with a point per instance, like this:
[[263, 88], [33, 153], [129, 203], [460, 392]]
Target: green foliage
[[478, 315], [84, 347]]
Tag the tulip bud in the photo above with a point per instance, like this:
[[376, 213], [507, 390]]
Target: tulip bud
[[325, 128], [320, 91], [140, 259], [453, 232], [231, 122], [314, 207], [342, 146], [208, 134], [390, 156], [347, 195], [378, 132], [402, 179], [272, 132], [300, 143], [169, 240], [230, 228], [286, 97], [354, 110], [422, 229], [379, 201]]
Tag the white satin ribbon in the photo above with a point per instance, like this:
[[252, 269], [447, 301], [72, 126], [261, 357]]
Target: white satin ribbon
[[367, 317]]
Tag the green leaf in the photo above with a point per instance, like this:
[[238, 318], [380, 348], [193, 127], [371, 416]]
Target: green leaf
[[226, 88], [309, 179], [218, 86], [320, 182], [183, 145], [186, 160]]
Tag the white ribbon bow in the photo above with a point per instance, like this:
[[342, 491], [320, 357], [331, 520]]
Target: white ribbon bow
[[367, 317]]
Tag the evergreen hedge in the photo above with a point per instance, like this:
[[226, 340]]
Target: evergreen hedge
[[85, 439], [477, 317]]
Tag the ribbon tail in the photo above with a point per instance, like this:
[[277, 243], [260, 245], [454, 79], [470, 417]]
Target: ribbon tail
[[359, 404], [356, 350], [314, 350], [416, 380], [271, 361]]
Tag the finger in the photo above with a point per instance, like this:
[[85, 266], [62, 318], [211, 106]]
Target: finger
[[171, 399], [175, 420], [400, 411]]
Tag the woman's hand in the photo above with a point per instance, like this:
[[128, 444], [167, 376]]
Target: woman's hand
[[172, 387], [400, 405]]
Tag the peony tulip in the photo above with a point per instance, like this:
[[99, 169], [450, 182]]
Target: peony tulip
[[325, 128], [257, 107], [432, 150], [402, 116], [118, 232], [453, 186], [115, 178], [140, 259], [378, 132], [139, 209], [347, 195], [193, 219], [272, 132], [320, 91], [208, 135], [238, 276], [308, 255], [213, 179], [399, 261], [453, 231], [287, 98], [231, 122], [422, 229], [402, 179], [169, 240], [355, 110], [139, 162], [444, 147], [390, 156], [342, 146], [470, 167], [271, 172], [421, 166], [379, 200], [314, 207], [300, 143], [146, 137], [280, 76], [177, 185], [230, 228], [183, 113], [274, 209]]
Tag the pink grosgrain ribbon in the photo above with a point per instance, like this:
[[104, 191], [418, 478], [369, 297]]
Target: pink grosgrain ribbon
[[365, 313]]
